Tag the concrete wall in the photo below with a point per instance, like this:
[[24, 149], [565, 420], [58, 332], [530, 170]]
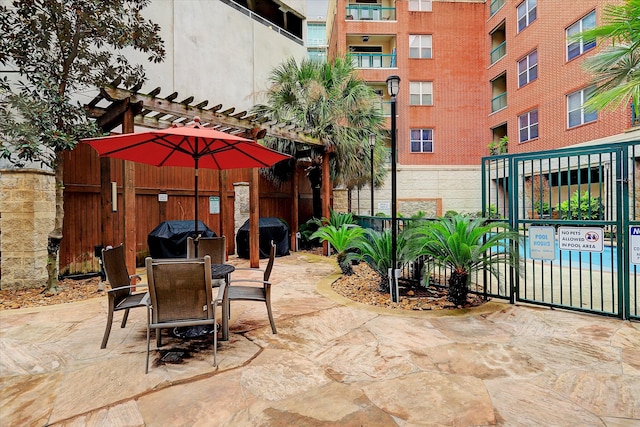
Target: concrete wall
[[27, 216], [431, 189]]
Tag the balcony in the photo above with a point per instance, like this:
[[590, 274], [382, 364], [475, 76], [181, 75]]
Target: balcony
[[635, 120], [370, 12]]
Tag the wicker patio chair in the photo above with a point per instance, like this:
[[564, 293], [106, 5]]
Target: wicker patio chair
[[120, 296], [238, 291], [181, 295]]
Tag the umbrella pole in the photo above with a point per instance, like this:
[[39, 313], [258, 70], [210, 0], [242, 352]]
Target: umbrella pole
[[197, 237]]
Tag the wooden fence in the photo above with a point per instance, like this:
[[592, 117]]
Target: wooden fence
[[83, 224]]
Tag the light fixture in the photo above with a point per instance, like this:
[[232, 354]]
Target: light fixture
[[393, 86], [365, 38]]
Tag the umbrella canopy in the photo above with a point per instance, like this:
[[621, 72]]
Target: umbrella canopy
[[191, 146]]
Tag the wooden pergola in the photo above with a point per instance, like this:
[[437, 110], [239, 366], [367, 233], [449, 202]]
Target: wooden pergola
[[129, 108]]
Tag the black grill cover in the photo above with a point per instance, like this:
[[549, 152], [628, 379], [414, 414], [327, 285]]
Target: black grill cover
[[271, 229], [169, 238]]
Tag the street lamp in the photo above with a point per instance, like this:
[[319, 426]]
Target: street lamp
[[372, 145], [393, 87]]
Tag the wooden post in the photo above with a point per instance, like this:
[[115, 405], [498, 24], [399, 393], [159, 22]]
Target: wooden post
[[224, 210], [295, 190], [106, 217], [254, 220], [326, 194], [129, 199]]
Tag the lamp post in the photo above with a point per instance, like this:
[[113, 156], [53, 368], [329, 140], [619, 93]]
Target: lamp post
[[393, 86], [372, 145]]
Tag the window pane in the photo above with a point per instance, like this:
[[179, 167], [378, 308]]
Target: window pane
[[427, 147], [522, 80], [415, 133], [426, 99], [574, 118], [414, 52], [589, 21], [524, 121], [524, 135], [573, 50], [415, 146], [533, 117], [574, 101], [522, 65], [532, 15], [533, 73], [534, 131], [415, 99], [414, 41], [426, 53], [590, 117]]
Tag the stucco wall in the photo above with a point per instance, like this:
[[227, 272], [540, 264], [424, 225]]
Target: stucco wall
[[27, 216]]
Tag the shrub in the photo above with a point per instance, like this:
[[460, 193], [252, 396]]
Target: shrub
[[581, 207]]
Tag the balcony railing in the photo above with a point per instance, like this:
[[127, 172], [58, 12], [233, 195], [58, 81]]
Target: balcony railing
[[499, 102], [373, 60], [635, 120], [495, 6], [373, 12], [498, 52]]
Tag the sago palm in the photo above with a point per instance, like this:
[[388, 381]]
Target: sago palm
[[374, 248], [463, 246], [341, 239]]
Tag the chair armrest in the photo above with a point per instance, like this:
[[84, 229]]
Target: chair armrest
[[137, 276], [231, 283], [126, 287], [221, 291], [261, 270]]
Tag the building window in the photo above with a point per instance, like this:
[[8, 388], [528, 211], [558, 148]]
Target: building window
[[419, 5], [422, 140], [528, 125], [421, 93], [316, 35], [576, 114], [576, 47], [419, 46], [528, 69], [526, 14]]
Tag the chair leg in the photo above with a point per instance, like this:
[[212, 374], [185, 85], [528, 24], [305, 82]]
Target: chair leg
[[124, 318], [158, 337], [215, 338], [146, 369], [273, 324], [107, 330]]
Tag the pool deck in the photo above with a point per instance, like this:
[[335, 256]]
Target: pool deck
[[333, 363]]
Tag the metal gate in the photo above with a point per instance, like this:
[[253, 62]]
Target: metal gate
[[578, 213]]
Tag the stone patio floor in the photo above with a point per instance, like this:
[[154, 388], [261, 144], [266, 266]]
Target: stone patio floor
[[333, 363]]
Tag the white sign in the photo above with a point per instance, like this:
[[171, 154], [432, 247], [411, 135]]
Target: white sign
[[384, 207], [581, 239], [214, 204], [634, 244], [542, 243], [162, 197]]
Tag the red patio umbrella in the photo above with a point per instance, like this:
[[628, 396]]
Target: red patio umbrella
[[192, 146]]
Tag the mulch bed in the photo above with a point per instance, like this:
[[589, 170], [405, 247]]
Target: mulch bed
[[363, 285]]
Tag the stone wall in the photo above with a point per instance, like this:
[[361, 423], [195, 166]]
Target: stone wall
[[340, 200], [27, 216]]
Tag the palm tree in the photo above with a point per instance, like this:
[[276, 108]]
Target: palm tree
[[616, 68], [464, 246], [335, 106]]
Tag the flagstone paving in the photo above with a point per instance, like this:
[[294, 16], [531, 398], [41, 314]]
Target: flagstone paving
[[333, 363]]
